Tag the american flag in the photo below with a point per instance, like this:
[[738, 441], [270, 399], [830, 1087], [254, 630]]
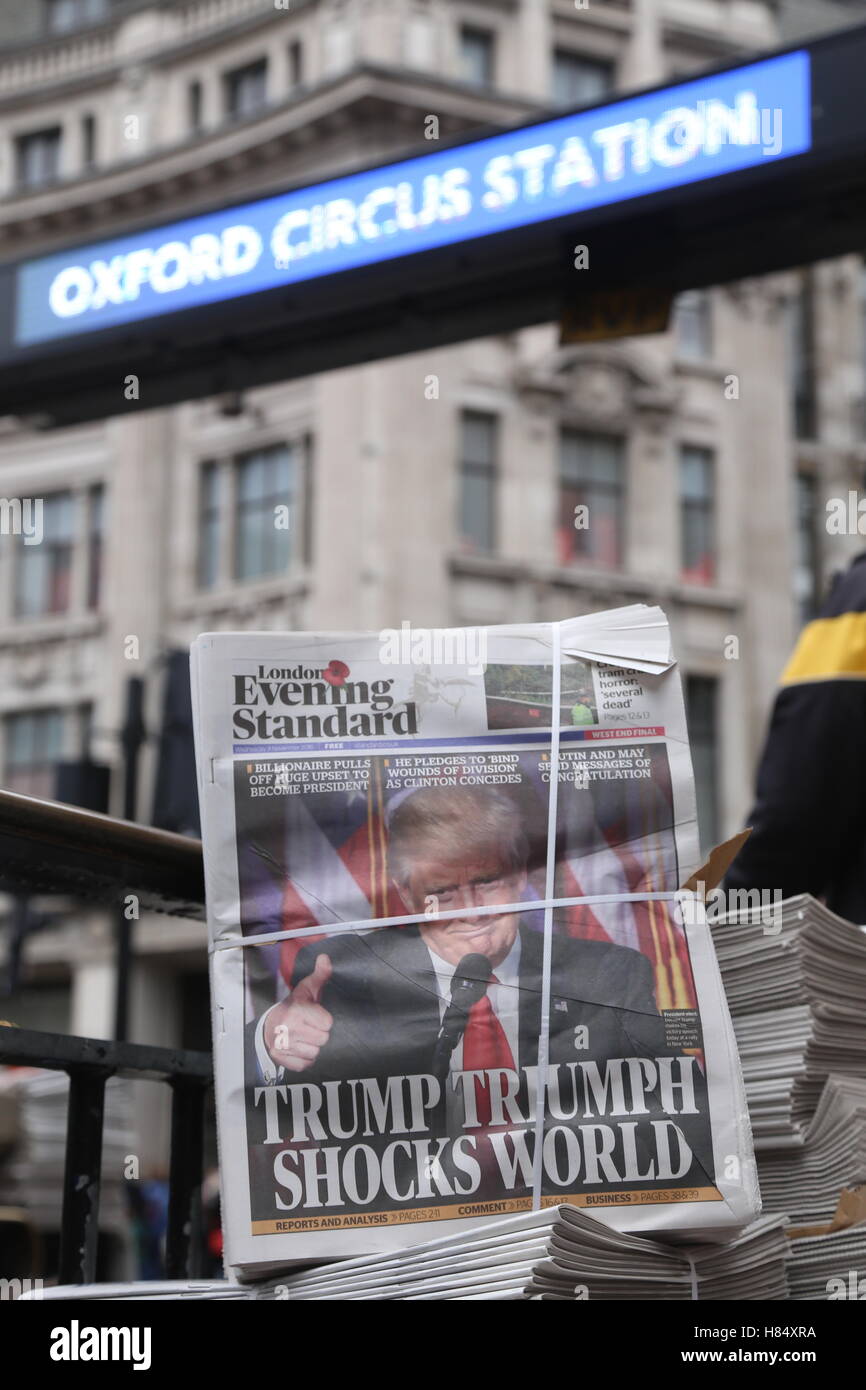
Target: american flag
[[615, 838]]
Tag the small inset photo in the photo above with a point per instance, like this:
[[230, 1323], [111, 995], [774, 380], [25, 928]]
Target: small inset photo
[[520, 697]]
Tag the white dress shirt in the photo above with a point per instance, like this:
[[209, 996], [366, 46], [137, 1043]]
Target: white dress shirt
[[504, 998]]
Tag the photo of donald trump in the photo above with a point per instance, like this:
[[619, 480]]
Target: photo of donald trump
[[384, 1001]]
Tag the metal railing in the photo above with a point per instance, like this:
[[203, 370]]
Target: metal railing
[[48, 848]]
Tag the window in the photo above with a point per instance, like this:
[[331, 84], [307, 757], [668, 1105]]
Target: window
[[264, 484], [591, 498], [701, 694], [209, 530], [478, 480], [296, 64], [806, 571], [251, 514], [693, 325], [63, 15], [88, 142], [33, 746], [43, 572], [194, 106], [246, 90], [579, 81], [476, 56], [697, 515], [95, 532], [801, 360], [37, 157]]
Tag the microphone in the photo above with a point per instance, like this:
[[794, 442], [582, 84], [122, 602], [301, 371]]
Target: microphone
[[468, 986]]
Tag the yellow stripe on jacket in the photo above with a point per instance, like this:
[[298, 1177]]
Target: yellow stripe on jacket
[[829, 648]]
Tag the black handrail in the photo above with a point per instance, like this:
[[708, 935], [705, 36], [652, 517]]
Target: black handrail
[[49, 848], [89, 1063]]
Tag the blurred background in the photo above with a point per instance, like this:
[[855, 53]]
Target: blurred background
[[444, 511]]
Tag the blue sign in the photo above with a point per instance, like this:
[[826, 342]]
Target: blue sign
[[646, 144]]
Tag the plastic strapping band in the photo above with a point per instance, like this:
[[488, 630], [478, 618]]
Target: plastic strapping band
[[694, 1277], [371, 924], [549, 887]]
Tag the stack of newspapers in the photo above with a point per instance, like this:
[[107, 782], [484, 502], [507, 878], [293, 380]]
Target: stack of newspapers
[[560, 1253], [828, 1265], [795, 978], [151, 1290], [805, 1183]]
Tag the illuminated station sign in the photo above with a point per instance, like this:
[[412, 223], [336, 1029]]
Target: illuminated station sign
[[750, 116]]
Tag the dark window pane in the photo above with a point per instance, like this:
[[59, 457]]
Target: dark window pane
[[578, 81], [476, 56], [693, 325], [806, 573], [209, 526], [88, 141], [478, 480], [64, 15], [38, 157], [194, 100], [801, 349], [697, 515], [701, 695], [33, 745], [296, 64], [591, 476], [265, 485], [246, 89], [44, 570], [95, 544]]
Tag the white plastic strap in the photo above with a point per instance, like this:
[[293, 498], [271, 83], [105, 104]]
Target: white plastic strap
[[549, 887], [369, 924]]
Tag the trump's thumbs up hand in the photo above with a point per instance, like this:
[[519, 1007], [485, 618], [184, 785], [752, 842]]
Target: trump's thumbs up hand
[[297, 1029]]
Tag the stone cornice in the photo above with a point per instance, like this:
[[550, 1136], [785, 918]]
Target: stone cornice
[[249, 159]]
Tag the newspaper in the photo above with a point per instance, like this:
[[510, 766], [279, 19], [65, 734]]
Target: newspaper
[[452, 975]]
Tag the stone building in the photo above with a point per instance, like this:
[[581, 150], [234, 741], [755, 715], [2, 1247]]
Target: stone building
[[706, 453]]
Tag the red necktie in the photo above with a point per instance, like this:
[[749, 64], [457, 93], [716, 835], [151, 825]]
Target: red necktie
[[485, 1048]]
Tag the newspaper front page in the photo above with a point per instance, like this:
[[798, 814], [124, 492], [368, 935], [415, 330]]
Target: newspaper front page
[[452, 977]]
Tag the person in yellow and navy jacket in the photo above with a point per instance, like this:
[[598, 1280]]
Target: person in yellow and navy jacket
[[809, 819]]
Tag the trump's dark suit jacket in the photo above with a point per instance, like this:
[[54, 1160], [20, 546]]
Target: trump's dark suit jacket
[[384, 1000]]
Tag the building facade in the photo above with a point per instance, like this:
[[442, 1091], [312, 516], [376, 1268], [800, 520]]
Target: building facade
[[439, 487]]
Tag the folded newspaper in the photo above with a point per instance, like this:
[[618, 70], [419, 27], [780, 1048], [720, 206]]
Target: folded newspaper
[[452, 974]]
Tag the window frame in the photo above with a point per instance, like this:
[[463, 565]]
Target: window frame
[[35, 771], [808, 603], [231, 79], [581, 551], [589, 61], [705, 508], [260, 507], [706, 794], [26, 140], [50, 547], [469, 31], [694, 307], [486, 469], [221, 512]]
